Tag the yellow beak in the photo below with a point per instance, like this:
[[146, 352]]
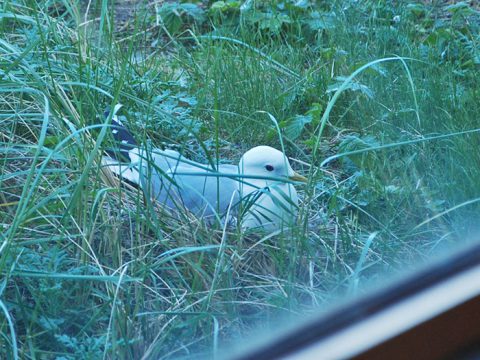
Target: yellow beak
[[298, 177]]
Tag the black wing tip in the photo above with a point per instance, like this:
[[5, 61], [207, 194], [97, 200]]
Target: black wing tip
[[124, 140], [106, 112]]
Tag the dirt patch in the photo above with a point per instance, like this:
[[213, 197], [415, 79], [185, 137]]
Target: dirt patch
[[124, 11]]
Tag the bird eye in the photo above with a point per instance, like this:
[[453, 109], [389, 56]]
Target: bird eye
[[269, 167]]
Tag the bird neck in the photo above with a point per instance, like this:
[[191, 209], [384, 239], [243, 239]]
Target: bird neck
[[249, 186]]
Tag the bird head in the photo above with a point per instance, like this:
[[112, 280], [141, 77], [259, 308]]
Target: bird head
[[267, 162]]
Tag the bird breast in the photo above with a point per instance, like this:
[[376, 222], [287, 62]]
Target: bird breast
[[275, 207]]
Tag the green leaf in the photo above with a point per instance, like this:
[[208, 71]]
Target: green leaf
[[354, 142], [476, 58], [247, 5], [460, 8], [302, 4], [321, 21], [293, 127], [354, 86], [193, 10], [218, 6], [416, 9], [223, 6], [175, 15], [316, 111]]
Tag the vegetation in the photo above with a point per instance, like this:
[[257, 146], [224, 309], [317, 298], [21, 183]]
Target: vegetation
[[377, 102]]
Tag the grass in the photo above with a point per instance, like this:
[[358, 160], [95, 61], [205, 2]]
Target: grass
[[377, 104]]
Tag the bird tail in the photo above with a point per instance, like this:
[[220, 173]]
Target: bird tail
[[135, 164], [119, 159], [124, 140]]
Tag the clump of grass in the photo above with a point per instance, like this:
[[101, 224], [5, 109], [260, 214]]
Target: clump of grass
[[90, 268]]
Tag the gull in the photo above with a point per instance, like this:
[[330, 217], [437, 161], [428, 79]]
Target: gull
[[258, 192]]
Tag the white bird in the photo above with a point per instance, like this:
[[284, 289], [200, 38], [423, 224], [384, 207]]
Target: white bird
[[258, 191]]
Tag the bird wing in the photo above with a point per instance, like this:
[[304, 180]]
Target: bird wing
[[170, 178], [203, 192]]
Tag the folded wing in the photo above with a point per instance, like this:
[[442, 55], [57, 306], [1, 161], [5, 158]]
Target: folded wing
[[170, 178]]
